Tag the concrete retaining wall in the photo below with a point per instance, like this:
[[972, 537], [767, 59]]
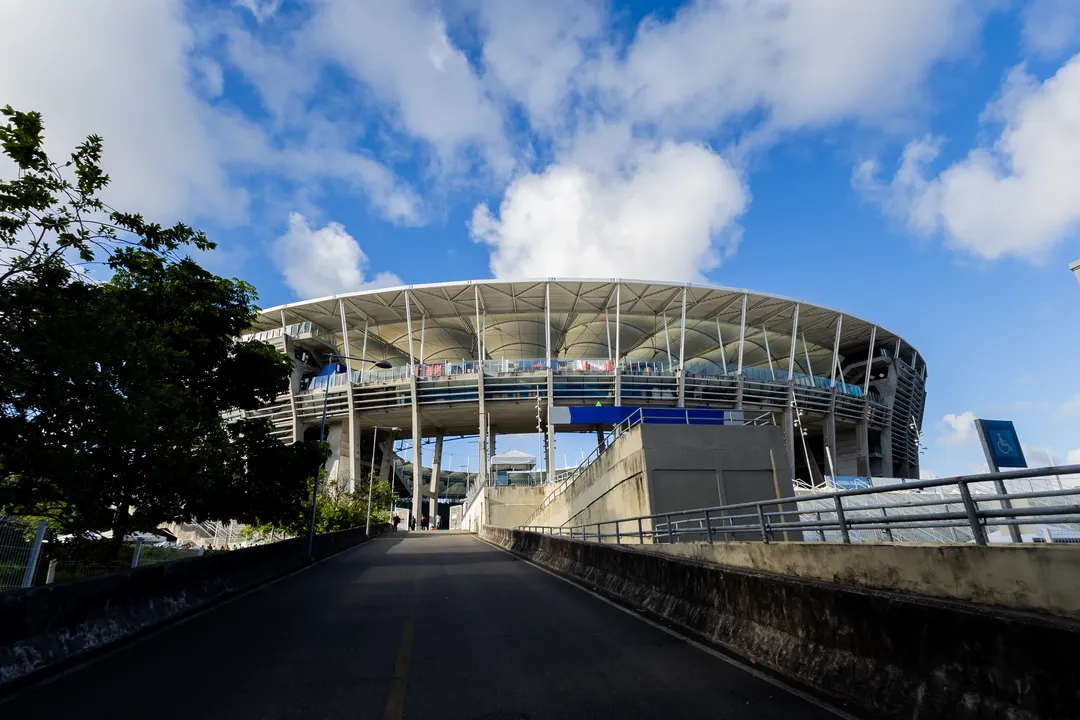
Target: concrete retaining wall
[[502, 506], [42, 626], [1043, 578], [888, 655]]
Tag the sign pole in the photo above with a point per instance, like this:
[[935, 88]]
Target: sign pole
[[1002, 448]]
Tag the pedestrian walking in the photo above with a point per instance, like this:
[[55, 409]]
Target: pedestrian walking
[[397, 521]]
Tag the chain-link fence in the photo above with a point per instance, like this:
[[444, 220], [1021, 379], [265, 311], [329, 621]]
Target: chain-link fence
[[20, 546]]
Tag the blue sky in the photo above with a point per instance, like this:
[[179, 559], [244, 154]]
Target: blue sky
[[914, 163]]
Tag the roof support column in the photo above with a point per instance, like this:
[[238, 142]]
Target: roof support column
[[482, 415], [618, 347], [682, 352], [550, 384], [436, 462], [418, 459], [720, 341], [862, 432], [353, 444], [768, 353], [292, 382], [830, 418], [423, 321], [363, 354], [408, 328], [742, 343], [789, 414]]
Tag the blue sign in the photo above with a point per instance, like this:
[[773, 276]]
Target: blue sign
[[611, 415], [1001, 444]]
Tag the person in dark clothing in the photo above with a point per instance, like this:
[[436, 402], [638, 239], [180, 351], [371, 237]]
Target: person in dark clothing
[[412, 522], [423, 522], [397, 521]]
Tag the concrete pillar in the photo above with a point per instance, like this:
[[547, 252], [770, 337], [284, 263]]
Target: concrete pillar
[[550, 428], [491, 439], [862, 442], [436, 461], [481, 434], [600, 438], [417, 453]]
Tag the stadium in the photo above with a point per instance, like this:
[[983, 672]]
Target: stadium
[[484, 358]]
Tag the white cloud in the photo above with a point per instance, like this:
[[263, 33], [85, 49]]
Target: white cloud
[[121, 71], [401, 51], [261, 9], [1020, 196], [1050, 27], [662, 211], [1073, 457], [960, 428], [324, 261], [806, 62]]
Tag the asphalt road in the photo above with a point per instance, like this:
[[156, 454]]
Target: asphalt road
[[420, 625]]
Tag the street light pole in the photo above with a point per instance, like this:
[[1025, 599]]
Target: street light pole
[[322, 438]]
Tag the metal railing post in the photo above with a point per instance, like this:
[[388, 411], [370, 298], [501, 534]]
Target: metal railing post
[[670, 536], [50, 575], [977, 530], [640, 534], [761, 522], [618, 532], [840, 520], [708, 526], [35, 553], [138, 553]]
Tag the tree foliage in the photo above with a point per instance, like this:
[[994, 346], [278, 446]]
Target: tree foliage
[[114, 395]]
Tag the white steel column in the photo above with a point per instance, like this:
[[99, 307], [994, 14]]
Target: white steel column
[[682, 352], [809, 367], [292, 382], [418, 454], [550, 384], [742, 342], [618, 346], [768, 354], [720, 340], [667, 342], [830, 419], [436, 462], [862, 429], [789, 414], [481, 437], [423, 321], [363, 354], [408, 328], [351, 486], [869, 361], [607, 329]]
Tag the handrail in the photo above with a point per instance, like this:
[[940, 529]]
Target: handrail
[[766, 523]]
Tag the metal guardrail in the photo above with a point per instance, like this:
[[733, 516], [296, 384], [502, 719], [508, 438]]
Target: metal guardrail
[[756, 521], [20, 548]]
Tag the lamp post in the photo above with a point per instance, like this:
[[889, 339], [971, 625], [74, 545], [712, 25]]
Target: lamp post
[[371, 478], [322, 436]]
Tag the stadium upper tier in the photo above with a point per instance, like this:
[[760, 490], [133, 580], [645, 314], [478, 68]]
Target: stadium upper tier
[[574, 342]]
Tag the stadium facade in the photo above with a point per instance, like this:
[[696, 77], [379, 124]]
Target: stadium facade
[[483, 358]]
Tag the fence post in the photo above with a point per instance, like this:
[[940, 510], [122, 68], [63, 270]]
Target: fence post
[[670, 536], [137, 553], [761, 522], [977, 530], [708, 526], [50, 576], [840, 520], [618, 532], [640, 534], [35, 553]]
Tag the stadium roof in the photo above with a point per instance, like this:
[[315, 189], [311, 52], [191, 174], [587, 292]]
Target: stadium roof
[[444, 316]]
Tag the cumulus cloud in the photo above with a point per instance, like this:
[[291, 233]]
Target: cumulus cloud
[[1069, 407], [261, 9], [664, 211], [123, 73], [1073, 457], [1050, 27], [1019, 196], [324, 261], [960, 429]]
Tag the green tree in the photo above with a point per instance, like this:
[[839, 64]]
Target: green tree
[[113, 395]]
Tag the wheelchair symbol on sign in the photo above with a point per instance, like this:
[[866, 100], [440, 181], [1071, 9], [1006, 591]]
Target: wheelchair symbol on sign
[[1004, 446]]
